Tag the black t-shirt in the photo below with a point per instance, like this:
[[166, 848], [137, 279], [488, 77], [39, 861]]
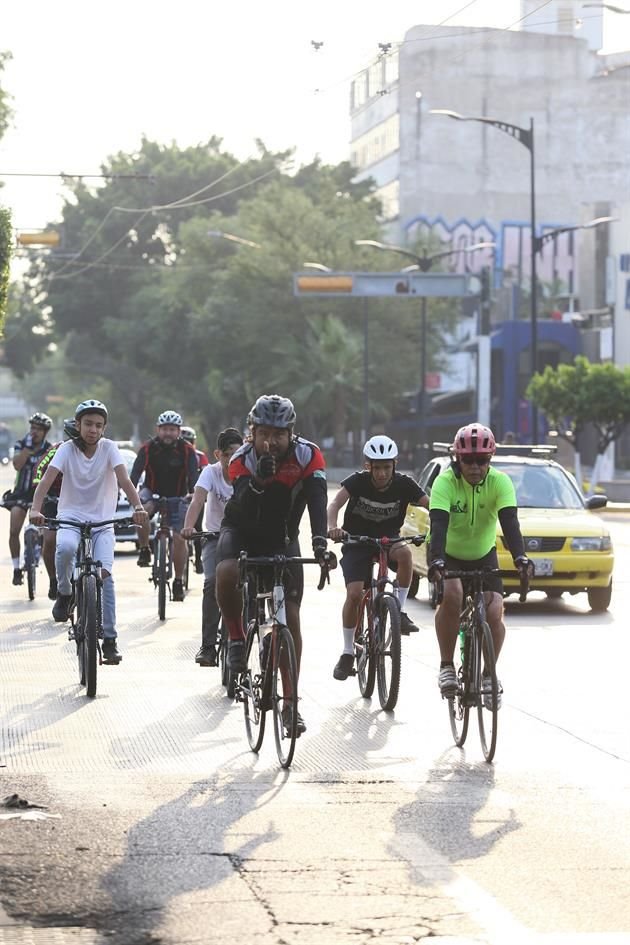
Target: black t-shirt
[[168, 470], [378, 513]]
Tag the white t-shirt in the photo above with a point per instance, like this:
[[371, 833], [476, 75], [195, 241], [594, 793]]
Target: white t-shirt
[[219, 491], [89, 489]]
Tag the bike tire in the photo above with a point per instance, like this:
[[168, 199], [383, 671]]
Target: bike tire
[[363, 653], [160, 566], [488, 718], [30, 563], [186, 573], [388, 652], [251, 690], [223, 666], [459, 705], [284, 695], [89, 620]]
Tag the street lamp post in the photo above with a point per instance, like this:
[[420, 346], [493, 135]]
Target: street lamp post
[[524, 136], [424, 264]]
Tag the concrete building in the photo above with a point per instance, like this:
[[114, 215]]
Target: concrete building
[[462, 182]]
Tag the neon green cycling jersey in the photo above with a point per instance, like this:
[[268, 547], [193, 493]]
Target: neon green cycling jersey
[[473, 511]]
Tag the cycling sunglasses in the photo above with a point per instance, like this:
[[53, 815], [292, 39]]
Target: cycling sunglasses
[[476, 460]]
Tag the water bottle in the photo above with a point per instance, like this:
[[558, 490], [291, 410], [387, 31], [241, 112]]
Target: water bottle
[[462, 643], [264, 631], [28, 440]]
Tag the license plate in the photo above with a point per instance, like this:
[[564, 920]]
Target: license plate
[[543, 567]]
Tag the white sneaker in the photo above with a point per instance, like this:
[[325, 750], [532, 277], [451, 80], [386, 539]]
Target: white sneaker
[[486, 691], [447, 681]]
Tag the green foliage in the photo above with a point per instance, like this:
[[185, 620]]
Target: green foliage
[[6, 247], [6, 112], [574, 395]]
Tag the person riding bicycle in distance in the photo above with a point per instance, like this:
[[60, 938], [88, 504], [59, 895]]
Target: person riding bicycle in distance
[[275, 475], [467, 498], [377, 499]]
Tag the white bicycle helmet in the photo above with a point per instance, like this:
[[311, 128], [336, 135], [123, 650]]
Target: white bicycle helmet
[[380, 447], [169, 417], [91, 406]]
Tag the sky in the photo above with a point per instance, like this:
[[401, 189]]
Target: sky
[[86, 86]]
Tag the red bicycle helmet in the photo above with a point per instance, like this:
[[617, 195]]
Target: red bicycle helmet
[[474, 439]]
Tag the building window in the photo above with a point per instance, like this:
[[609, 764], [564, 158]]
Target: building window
[[389, 195], [378, 142]]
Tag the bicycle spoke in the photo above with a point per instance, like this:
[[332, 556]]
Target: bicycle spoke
[[363, 652], [284, 696], [250, 688], [388, 652], [488, 706]]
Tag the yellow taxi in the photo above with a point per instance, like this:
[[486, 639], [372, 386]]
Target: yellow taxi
[[570, 548]]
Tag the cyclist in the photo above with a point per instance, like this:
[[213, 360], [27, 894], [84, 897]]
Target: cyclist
[[377, 501], [466, 501], [49, 506], [275, 474], [169, 465], [93, 470], [215, 488], [190, 435], [27, 453]]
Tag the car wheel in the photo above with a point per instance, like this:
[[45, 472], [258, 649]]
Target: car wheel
[[599, 598], [554, 593], [415, 583]]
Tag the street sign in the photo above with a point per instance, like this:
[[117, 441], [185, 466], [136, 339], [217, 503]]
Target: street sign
[[385, 284]]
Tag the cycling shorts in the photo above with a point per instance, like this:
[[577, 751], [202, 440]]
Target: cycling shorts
[[492, 582], [177, 507], [357, 561], [232, 542]]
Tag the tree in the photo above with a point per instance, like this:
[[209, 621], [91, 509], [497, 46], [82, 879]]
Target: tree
[[6, 244]]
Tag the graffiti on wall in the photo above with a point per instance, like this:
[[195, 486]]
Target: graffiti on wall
[[511, 256]]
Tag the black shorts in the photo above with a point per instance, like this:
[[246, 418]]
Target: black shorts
[[492, 582], [49, 506], [232, 541], [356, 563]]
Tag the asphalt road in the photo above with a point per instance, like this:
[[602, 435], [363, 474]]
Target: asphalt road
[[160, 826]]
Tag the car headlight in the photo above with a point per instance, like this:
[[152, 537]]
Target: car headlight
[[591, 544]]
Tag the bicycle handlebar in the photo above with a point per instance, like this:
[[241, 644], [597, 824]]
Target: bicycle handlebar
[[481, 573], [128, 520], [281, 561], [383, 542]]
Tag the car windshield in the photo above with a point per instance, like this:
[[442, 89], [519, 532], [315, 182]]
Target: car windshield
[[542, 487]]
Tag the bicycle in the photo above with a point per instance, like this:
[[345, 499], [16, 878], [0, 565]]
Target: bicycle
[[475, 661], [85, 610], [228, 679], [162, 568], [271, 678], [377, 639], [32, 541]]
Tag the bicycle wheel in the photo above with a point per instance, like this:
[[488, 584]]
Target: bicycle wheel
[[366, 664], [459, 706], [488, 717], [89, 625], [251, 688], [30, 561], [387, 652], [284, 696], [160, 570]]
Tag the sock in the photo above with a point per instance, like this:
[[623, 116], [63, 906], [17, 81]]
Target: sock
[[446, 663], [402, 596], [235, 629], [348, 640], [16, 563]]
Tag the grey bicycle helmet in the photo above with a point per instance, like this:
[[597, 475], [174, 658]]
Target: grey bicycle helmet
[[272, 410], [91, 406], [41, 420], [168, 418], [380, 447], [189, 434]]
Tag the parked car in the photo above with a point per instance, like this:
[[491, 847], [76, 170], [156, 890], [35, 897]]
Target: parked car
[[123, 509], [570, 548]]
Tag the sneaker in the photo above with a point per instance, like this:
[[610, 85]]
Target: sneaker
[[407, 625], [52, 590], [237, 657], [60, 609], [486, 691], [344, 667], [198, 566], [447, 681], [111, 653], [206, 656], [287, 718], [144, 558], [18, 577], [178, 589]]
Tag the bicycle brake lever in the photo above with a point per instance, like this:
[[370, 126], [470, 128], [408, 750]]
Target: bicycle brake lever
[[324, 577]]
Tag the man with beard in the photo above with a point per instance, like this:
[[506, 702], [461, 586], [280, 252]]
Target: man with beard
[[169, 465]]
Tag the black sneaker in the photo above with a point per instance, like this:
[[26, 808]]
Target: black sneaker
[[52, 590], [60, 609], [178, 589], [206, 656], [344, 667], [407, 625], [198, 566], [111, 653], [18, 577], [237, 657], [287, 719], [144, 558]]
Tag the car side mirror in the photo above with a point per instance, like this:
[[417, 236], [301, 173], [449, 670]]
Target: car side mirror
[[596, 502]]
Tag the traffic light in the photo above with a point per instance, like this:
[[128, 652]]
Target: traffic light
[[50, 238]]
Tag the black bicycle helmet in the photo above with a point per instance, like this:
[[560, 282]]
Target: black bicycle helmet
[[41, 420], [91, 406], [70, 428], [272, 410]]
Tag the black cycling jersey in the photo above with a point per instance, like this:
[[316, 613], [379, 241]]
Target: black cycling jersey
[[168, 470], [24, 486]]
